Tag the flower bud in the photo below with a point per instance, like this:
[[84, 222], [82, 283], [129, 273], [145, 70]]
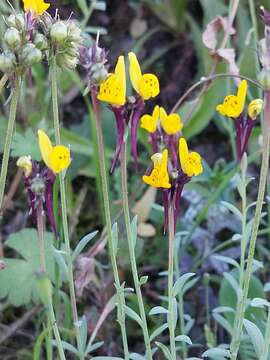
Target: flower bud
[[41, 42], [38, 185], [25, 163], [31, 55], [7, 61], [59, 32], [12, 38], [44, 288], [98, 74], [74, 32], [68, 61], [264, 78], [73, 51], [255, 108], [17, 21]]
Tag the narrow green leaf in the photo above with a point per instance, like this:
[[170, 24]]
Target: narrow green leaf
[[255, 335], [180, 282], [133, 315], [158, 331], [158, 310], [82, 244], [184, 338]]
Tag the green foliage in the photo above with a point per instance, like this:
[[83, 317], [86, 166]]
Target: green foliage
[[26, 144], [227, 297], [18, 279]]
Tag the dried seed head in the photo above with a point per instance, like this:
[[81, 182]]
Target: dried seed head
[[31, 54]]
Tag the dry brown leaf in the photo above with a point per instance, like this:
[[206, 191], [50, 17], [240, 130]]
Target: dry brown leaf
[[142, 208], [146, 230], [229, 56], [210, 35]]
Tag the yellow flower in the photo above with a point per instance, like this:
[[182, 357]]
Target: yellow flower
[[56, 158], [191, 163], [159, 177], [113, 89], [233, 105], [255, 108], [171, 123], [25, 163], [146, 85], [38, 7]]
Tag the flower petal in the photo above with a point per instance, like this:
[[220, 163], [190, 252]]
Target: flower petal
[[149, 86], [45, 147], [111, 91], [183, 154], [159, 176], [171, 124], [135, 73], [120, 72], [150, 122], [241, 94], [36, 6], [59, 158]]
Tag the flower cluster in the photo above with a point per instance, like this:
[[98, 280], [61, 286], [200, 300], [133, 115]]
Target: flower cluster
[[39, 181], [233, 107], [173, 164], [34, 35], [111, 88]]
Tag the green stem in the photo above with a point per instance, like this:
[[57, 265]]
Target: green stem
[[56, 332], [50, 313], [64, 207], [132, 254], [180, 305], [3, 82], [170, 282], [9, 134], [243, 244], [264, 355], [40, 230], [106, 203], [235, 344]]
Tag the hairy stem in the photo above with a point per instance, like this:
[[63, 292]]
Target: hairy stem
[[56, 332], [9, 134], [64, 206], [106, 204], [171, 322], [132, 254], [235, 343], [3, 82], [180, 303]]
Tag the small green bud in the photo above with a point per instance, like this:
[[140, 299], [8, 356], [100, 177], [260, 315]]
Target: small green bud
[[74, 32], [59, 32], [12, 38], [7, 61], [69, 61], [31, 55], [98, 73], [264, 78], [40, 41], [44, 288], [17, 21], [38, 185]]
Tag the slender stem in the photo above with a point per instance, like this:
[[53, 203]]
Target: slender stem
[[64, 207], [56, 332], [131, 249], [243, 244], [265, 350], [235, 344], [40, 230], [9, 134], [50, 313], [106, 203], [171, 322], [180, 304], [3, 82]]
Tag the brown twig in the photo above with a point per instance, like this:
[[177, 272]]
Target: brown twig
[[12, 190], [11, 330]]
